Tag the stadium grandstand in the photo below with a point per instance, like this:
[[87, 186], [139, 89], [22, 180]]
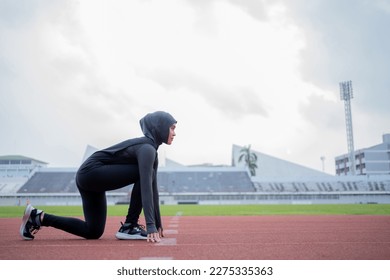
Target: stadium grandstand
[[51, 180], [16, 170], [276, 181]]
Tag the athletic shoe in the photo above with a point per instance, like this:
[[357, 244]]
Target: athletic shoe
[[128, 231], [31, 222]]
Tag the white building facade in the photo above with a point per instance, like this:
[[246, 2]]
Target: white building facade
[[374, 160], [16, 166]]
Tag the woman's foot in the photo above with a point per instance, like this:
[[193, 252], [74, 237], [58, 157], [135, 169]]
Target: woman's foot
[[31, 222]]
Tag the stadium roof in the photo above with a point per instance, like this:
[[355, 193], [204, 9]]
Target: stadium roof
[[18, 157], [272, 167]]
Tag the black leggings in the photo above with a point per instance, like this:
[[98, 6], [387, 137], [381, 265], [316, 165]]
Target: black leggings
[[93, 186]]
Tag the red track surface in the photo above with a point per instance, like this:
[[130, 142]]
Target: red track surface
[[216, 238]]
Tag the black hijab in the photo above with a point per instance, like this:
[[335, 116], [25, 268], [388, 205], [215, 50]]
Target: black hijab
[[156, 126]]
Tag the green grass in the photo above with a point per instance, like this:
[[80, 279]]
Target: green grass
[[220, 210]]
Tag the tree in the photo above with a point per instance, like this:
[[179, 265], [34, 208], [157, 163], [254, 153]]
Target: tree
[[249, 158]]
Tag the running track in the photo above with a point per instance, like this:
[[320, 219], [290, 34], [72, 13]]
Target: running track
[[216, 238]]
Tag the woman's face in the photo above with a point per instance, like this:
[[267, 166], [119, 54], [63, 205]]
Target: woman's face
[[172, 134]]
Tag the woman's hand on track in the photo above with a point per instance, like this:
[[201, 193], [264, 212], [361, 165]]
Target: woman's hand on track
[[154, 237]]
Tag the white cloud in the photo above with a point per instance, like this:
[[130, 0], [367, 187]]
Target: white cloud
[[231, 72]]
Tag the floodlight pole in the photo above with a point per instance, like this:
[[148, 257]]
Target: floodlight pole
[[346, 94]]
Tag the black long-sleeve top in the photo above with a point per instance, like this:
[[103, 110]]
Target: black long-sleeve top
[[143, 152]]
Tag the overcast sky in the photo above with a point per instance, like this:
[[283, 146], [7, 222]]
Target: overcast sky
[[257, 72]]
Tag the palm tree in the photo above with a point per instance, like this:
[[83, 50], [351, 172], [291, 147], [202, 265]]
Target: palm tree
[[249, 158]]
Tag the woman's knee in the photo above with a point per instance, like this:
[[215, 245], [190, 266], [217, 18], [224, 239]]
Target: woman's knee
[[94, 234], [94, 230]]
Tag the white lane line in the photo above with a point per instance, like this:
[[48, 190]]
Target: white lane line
[[156, 258], [173, 225], [167, 242], [170, 231]]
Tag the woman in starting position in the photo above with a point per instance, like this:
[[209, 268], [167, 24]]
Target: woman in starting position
[[133, 161]]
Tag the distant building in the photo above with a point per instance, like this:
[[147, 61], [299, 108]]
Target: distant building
[[374, 160], [15, 166], [16, 170]]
